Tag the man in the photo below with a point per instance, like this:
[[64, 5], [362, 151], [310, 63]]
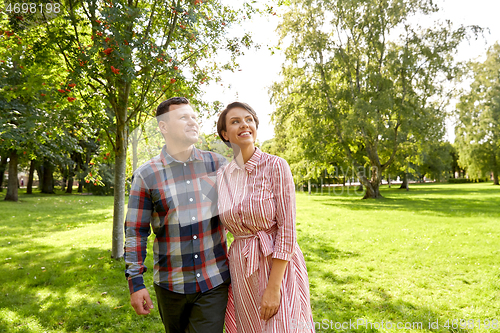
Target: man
[[175, 193]]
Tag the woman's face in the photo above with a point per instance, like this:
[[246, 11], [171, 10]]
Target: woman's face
[[240, 127]]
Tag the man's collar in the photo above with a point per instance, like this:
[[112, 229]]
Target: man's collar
[[166, 159]]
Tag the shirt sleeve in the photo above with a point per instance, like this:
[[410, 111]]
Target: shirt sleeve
[[284, 192], [137, 231]]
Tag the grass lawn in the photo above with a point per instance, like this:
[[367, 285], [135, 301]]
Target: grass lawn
[[427, 255]]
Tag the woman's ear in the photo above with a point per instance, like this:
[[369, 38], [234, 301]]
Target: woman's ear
[[224, 135]]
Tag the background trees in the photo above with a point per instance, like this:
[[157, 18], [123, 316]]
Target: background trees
[[478, 129], [118, 59], [370, 79]]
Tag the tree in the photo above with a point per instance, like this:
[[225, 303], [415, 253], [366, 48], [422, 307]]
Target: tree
[[435, 161], [478, 130], [362, 72], [133, 53], [33, 104]]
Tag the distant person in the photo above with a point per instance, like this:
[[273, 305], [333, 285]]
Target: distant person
[[270, 286], [22, 182], [174, 193]]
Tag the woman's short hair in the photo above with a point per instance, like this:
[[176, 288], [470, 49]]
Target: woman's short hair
[[221, 123]]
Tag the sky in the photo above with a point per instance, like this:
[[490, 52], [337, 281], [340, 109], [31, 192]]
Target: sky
[[259, 68]]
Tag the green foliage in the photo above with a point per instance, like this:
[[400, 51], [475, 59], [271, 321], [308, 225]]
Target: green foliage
[[360, 81], [478, 130], [100, 179], [435, 161], [212, 142], [126, 56]]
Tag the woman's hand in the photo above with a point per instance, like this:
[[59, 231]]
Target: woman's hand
[[270, 302]]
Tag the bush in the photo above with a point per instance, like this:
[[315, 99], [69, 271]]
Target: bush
[[465, 180], [106, 171]]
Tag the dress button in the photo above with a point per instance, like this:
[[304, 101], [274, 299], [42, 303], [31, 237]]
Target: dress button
[[196, 256], [188, 182], [193, 218], [191, 199], [184, 164], [198, 275], [194, 237]]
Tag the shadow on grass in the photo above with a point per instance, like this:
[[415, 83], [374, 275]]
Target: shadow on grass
[[47, 287], [84, 290], [346, 297], [432, 199]]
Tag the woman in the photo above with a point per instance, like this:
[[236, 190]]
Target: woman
[[269, 284]]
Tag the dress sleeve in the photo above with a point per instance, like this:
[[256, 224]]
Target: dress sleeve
[[137, 231], [284, 193]]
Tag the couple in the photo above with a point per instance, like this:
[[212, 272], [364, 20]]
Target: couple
[[184, 194]]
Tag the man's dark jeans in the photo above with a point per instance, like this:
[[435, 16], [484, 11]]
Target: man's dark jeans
[[193, 313]]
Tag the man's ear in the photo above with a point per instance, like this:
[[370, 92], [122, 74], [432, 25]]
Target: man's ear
[[162, 125]]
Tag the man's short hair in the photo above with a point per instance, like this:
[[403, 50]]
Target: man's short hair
[[221, 123], [164, 106]]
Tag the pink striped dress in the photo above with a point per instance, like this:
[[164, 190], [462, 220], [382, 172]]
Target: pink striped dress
[[257, 205]]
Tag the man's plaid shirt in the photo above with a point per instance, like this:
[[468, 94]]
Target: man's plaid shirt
[[179, 201]]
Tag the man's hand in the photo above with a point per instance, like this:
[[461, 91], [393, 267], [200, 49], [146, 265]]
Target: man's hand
[[141, 302]]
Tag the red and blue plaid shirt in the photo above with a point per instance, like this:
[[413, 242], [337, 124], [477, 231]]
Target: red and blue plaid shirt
[[179, 201]]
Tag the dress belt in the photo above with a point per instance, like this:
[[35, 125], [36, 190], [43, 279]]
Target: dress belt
[[251, 250]]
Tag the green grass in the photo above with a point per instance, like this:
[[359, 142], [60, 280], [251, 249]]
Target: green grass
[[419, 256], [56, 274]]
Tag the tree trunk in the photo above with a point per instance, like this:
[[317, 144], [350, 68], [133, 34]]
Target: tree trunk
[[29, 187], [389, 180], [309, 186], [495, 169], [119, 184], [404, 185], [71, 176], [3, 167], [63, 186], [135, 143], [39, 170], [372, 185], [12, 183], [64, 172], [48, 177]]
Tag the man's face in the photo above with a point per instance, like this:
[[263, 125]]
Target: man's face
[[180, 126]]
